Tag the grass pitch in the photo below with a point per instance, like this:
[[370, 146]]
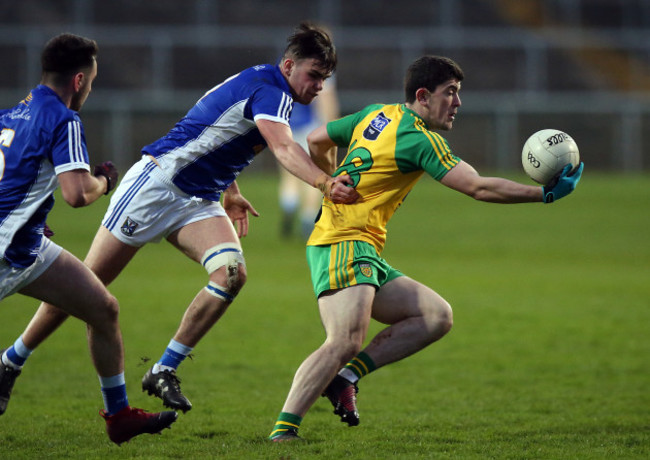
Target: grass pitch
[[548, 357]]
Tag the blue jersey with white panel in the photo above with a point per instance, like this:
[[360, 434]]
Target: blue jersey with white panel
[[206, 150], [39, 138]]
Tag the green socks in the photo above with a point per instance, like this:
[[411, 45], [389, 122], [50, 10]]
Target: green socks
[[360, 365], [286, 422]]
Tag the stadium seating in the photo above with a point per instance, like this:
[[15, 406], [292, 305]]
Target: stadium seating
[[529, 65]]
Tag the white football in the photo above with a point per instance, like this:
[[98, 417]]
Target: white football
[[546, 153]]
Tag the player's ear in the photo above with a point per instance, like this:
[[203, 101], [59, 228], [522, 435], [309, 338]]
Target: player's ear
[[421, 95], [287, 66], [78, 81]]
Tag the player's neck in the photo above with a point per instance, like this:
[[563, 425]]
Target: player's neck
[[65, 94]]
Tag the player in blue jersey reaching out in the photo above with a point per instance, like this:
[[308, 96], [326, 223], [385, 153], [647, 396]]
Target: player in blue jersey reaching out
[[42, 145], [173, 192]]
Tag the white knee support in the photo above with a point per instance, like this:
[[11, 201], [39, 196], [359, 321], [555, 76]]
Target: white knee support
[[227, 255], [219, 292]]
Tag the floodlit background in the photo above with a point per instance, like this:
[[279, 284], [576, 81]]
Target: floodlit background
[[582, 66]]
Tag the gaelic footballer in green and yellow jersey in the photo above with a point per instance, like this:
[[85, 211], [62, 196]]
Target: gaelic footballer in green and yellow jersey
[[390, 147]]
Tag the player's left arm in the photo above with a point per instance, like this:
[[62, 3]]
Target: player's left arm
[[465, 179], [237, 208]]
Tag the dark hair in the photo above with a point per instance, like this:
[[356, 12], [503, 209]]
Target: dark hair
[[312, 42], [429, 72], [67, 54]]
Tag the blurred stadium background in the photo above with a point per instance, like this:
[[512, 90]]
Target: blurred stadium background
[[582, 66]]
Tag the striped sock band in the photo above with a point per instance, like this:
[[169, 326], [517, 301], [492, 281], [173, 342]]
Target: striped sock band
[[114, 393], [16, 355], [174, 355], [360, 365], [285, 422]]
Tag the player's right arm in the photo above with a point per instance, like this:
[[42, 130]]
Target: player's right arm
[[295, 160], [69, 155]]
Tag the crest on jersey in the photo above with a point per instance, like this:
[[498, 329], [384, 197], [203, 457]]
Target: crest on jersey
[[129, 226], [366, 270], [376, 126]]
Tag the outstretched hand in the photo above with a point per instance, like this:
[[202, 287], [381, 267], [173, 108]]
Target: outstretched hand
[[563, 184], [237, 208]]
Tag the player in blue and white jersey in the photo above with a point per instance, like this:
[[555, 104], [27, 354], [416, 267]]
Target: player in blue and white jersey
[[173, 192], [42, 145]]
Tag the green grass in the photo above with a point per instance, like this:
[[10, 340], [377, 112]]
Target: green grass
[[548, 357]]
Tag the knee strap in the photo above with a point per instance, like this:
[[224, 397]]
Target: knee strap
[[227, 255], [219, 292]]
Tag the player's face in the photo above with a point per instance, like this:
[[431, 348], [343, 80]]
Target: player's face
[[443, 105], [80, 96], [305, 77]]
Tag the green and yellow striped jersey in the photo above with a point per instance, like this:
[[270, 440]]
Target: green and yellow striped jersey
[[389, 148]]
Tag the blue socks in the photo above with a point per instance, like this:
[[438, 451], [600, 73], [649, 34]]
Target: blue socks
[[114, 393], [16, 355], [174, 355], [113, 388]]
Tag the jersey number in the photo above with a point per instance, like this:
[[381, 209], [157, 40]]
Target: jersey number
[[6, 138], [357, 161]]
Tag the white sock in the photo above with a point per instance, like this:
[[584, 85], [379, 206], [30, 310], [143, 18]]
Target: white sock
[[347, 374]]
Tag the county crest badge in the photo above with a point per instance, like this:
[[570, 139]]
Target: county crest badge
[[366, 270], [129, 226], [376, 126]]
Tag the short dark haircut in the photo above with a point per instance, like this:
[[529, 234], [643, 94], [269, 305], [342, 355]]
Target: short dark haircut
[[312, 42], [67, 54], [429, 72]]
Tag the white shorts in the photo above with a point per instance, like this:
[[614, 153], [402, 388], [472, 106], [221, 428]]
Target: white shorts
[[147, 206], [13, 279]]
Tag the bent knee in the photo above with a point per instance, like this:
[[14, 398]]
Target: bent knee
[[108, 310], [225, 284], [344, 349], [226, 266], [237, 279], [445, 317], [439, 318], [113, 306]]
